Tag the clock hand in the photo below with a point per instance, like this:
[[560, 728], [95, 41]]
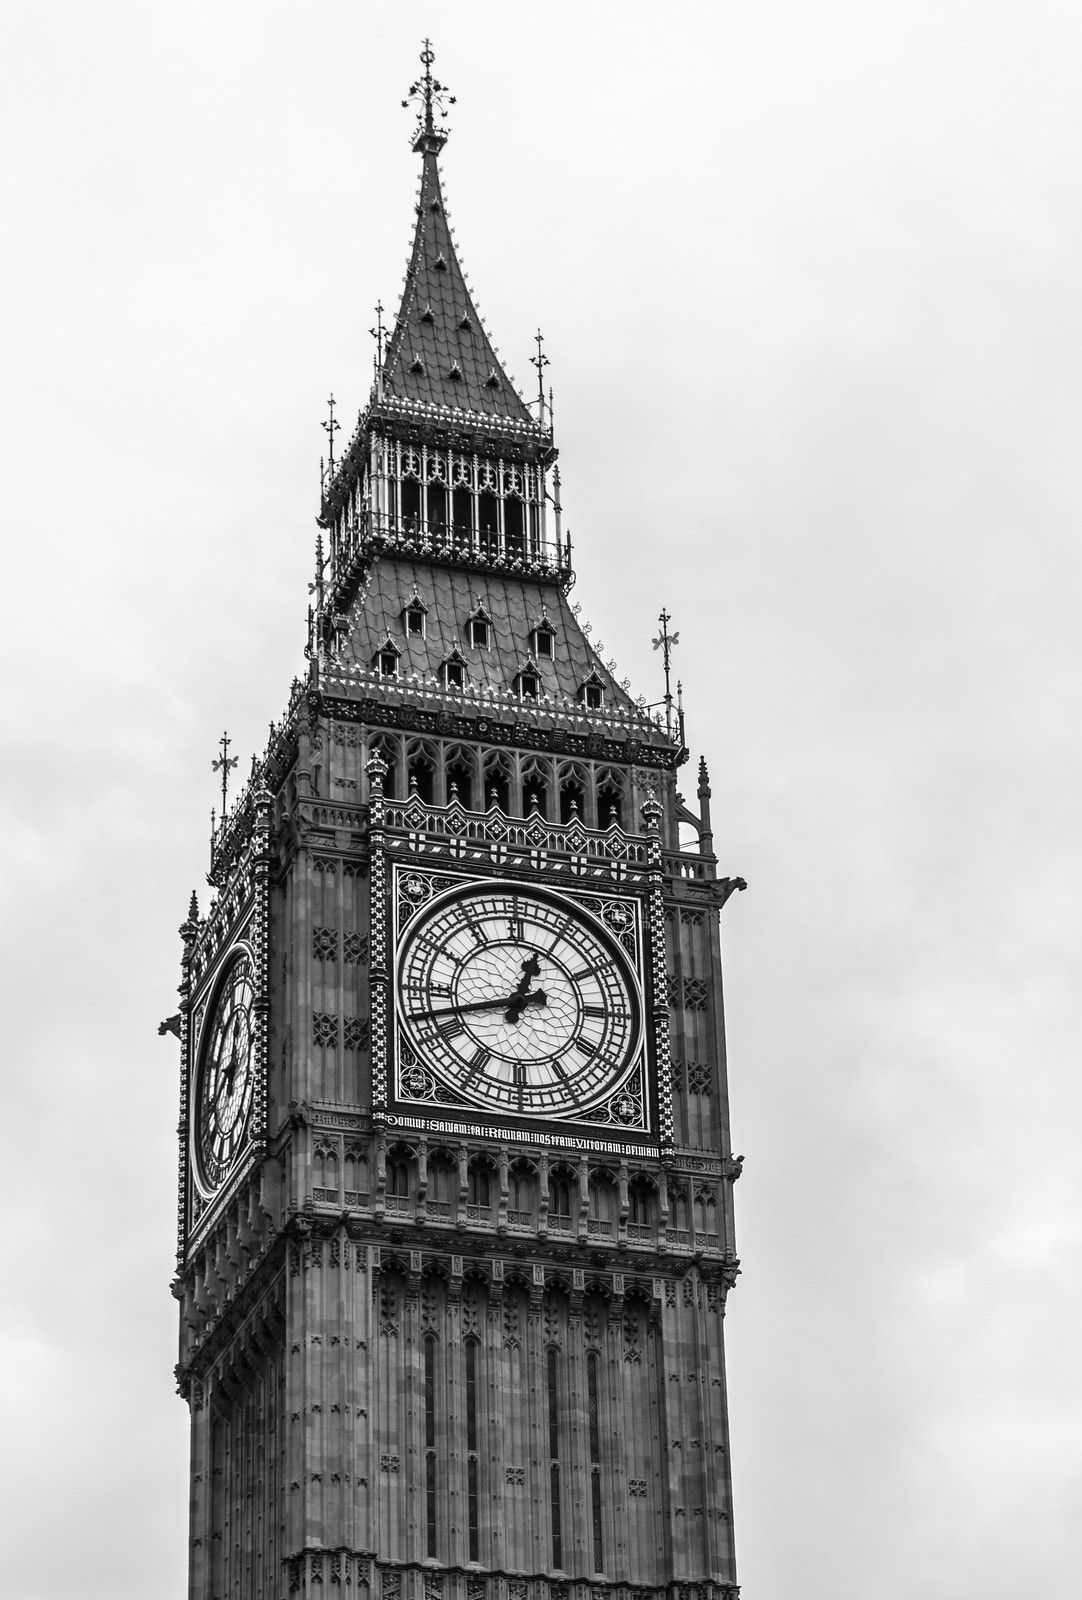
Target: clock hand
[[538, 998], [226, 1078], [531, 969]]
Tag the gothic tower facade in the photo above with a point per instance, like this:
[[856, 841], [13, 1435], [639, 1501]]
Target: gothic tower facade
[[455, 1201]]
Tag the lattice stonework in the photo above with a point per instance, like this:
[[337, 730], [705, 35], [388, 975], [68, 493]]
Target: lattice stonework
[[356, 1033], [696, 994], [324, 1028], [656, 947], [379, 974]]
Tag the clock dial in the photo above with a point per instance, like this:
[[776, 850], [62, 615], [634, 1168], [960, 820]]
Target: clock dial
[[517, 1000], [224, 1092]]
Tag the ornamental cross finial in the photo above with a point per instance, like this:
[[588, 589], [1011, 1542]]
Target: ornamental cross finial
[[540, 361], [224, 765], [332, 428], [379, 333], [429, 94], [665, 642]]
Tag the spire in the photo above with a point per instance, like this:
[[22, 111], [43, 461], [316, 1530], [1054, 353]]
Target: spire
[[438, 352]]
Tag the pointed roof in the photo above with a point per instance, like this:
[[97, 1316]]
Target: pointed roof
[[438, 352]]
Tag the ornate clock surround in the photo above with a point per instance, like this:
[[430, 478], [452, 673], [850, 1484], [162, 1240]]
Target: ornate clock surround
[[617, 918]]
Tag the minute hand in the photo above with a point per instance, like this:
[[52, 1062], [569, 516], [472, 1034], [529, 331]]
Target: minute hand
[[539, 998]]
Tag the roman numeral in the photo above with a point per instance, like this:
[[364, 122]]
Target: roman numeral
[[477, 1063]]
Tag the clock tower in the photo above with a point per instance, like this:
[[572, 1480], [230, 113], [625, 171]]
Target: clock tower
[[455, 1202]]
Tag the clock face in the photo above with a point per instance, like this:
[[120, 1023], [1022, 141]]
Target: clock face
[[224, 1089], [516, 1000]]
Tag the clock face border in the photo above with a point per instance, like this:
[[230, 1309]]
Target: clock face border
[[625, 1109], [237, 953]]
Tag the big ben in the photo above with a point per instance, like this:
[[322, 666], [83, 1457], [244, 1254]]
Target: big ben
[[455, 1200]]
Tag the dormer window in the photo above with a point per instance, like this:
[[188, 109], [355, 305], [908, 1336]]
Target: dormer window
[[386, 660], [453, 672], [479, 629], [414, 615], [591, 693], [541, 640], [528, 685]]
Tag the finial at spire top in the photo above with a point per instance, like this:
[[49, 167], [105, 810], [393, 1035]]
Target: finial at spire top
[[332, 426], [429, 94], [540, 361]]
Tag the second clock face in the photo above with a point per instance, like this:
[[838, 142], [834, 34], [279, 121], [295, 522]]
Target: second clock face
[[517, 1000], [224, 1093]]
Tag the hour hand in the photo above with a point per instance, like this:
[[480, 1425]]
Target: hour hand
[[457, 1011], [518, 1002], [504, 1003]]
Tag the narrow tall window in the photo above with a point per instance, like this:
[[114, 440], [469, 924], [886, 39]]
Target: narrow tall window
[[595, 1460], [430, 1443], [411, 505], [554, 1460], [471, 1448]]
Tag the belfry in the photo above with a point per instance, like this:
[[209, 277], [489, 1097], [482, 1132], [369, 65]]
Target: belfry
[[455, 1200]]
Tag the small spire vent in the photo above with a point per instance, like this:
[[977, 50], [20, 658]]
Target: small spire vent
[[440, 263], [455, 373], [464, 321], [492, 381], [428, 315], [417, 365]]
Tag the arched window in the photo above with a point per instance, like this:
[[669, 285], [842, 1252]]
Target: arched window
[[535, 788], [513, 529], [325, 1173], [488, 522], [388, 751], [420, 772], [572, 796], [601, 1219], [560, 1196], [442, 1182], [461, 518], [459, 778], [497, 785], [356, 1177], [679, 1212], [410, 502], [640, 1209], [520, 1196], [480, 1185], [398, 1179], [706, 1217], [610, 801], [437, 510]]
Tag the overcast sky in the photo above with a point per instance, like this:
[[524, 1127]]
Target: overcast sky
[[809, 276]]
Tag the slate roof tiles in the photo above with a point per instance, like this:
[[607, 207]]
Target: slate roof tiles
[[451, 597], [439, 352]]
